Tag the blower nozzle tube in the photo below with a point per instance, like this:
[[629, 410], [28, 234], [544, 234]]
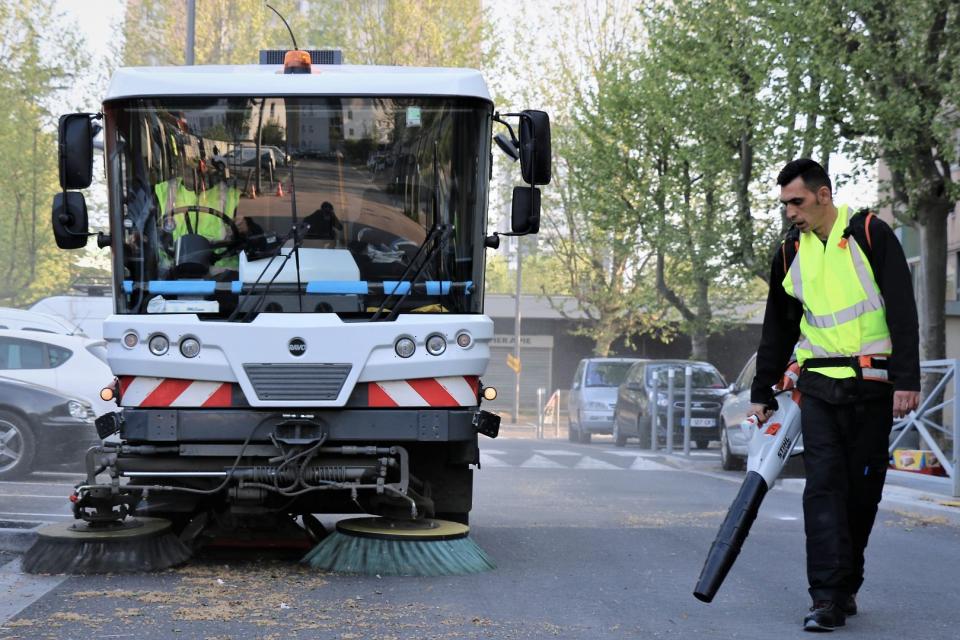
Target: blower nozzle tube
[[730, 538]]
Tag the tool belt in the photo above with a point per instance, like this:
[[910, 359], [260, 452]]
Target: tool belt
[[866, 367]]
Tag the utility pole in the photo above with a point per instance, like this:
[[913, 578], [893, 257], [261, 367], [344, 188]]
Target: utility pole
[[191, 29], [516, 335]]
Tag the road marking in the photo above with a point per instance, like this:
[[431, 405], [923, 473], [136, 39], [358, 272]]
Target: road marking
[[495, 452], [629, 454], [21, 590], [556, 452], [539, 462], [36, 515], [31, 495], [592, 463], [487, 460], [11, 483], [642, 464]]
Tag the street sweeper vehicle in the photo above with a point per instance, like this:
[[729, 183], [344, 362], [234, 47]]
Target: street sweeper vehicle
[[290, 340]]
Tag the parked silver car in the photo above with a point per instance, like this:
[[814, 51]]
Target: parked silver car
[[593, 396], [733, 442]]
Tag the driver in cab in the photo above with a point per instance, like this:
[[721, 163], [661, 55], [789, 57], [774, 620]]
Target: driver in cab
[[200, 201]]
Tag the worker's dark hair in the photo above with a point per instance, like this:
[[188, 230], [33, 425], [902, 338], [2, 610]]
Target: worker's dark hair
[[814, 176]]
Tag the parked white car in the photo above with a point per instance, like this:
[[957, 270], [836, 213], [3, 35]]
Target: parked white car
[[85, 313], [24, 320], [73, 365]]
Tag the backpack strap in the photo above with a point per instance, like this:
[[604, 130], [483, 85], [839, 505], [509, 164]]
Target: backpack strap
[[859, 228], [789, 247]]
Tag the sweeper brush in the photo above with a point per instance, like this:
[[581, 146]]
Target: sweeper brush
[[135, 545], [380, 546]]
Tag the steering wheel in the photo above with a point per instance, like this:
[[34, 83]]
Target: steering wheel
[[219, 248]]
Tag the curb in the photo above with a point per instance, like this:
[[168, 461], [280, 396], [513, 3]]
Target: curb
[[18, 535]]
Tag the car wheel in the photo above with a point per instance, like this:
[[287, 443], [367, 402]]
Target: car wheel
[[18, 446], [644, 434], [728, 461], [583, 434], [619, 439], [702, 443], [572, 435]]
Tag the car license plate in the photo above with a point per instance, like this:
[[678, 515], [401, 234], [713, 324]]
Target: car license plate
[[700, 422]]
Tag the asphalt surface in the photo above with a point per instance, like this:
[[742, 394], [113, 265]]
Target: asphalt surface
[[590, 541]]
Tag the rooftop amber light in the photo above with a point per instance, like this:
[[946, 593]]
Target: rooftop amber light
[[296, 62]]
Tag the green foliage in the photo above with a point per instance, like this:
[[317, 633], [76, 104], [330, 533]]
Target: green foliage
[[30, 81]]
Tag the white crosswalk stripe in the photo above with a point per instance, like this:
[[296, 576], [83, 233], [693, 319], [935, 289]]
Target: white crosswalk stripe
[[540, 462], [556, 452], [592, 463], [487, 460], [642, 464]]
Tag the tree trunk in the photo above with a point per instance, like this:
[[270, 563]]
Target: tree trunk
[[698, 344], [933, 287]]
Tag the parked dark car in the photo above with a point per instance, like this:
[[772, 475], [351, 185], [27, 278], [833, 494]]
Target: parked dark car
[[633, 413], [39, 425]]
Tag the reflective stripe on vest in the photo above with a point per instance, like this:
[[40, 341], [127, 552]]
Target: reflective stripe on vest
[[843, 311]]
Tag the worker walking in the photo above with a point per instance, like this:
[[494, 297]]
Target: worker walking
[[841, 297]]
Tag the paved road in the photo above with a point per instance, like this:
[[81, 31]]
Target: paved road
[[590, 542]]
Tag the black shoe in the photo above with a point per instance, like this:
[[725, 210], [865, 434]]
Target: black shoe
[[849, 605], [824, 616]]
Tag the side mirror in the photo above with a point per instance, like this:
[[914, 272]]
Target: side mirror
[[535, 147], [76, 151], [525, 215], [70, 220]]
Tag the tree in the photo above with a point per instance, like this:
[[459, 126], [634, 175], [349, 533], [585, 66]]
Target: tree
[[31, 82], [902, 58]]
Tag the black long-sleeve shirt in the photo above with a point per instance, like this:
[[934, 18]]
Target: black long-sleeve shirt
[[781, 322]]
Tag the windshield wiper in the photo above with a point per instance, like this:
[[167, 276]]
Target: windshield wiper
[[297, 234], [437, 236], [439, 233]]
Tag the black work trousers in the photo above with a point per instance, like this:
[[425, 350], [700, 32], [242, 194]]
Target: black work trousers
[[845, 458]]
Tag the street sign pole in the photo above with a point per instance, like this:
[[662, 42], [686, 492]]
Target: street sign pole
[[516, 337]]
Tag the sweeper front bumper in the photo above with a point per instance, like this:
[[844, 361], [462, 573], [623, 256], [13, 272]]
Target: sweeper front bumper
[[406, 463]]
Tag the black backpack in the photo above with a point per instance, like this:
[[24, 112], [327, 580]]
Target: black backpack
[[858, 226]]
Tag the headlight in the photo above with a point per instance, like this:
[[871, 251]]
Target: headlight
[[405, 347], [78, 410], [436, 344], [131, 339], [464, 340], [159, 344], [190, 347]]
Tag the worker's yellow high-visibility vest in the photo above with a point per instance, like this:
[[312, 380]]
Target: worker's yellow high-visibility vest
[[222, 197], [843, 311]]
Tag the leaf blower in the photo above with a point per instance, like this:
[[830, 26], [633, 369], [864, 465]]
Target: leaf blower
[[769, 447]]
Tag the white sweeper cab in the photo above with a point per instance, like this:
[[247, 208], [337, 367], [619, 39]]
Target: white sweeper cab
[[304, 338]]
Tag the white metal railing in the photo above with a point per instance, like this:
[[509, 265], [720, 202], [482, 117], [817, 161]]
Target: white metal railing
[[921, 420]]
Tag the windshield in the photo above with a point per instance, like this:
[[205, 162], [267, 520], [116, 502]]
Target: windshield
[[206, 193], [702, 378], [607, 374]]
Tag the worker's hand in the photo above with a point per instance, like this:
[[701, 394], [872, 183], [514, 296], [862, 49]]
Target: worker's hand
[[904, 402], [761, 411]]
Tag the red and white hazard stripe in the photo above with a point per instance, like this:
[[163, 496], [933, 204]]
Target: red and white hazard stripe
[[451, 391], [143, 391]]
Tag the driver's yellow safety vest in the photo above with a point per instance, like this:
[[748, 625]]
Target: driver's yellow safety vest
[[843, 311], [222, 197]]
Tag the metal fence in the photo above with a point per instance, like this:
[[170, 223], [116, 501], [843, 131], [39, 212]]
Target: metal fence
[[937, 419]]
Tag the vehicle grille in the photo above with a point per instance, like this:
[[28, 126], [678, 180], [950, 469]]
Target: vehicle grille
[[303, 382], [703, 406]]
